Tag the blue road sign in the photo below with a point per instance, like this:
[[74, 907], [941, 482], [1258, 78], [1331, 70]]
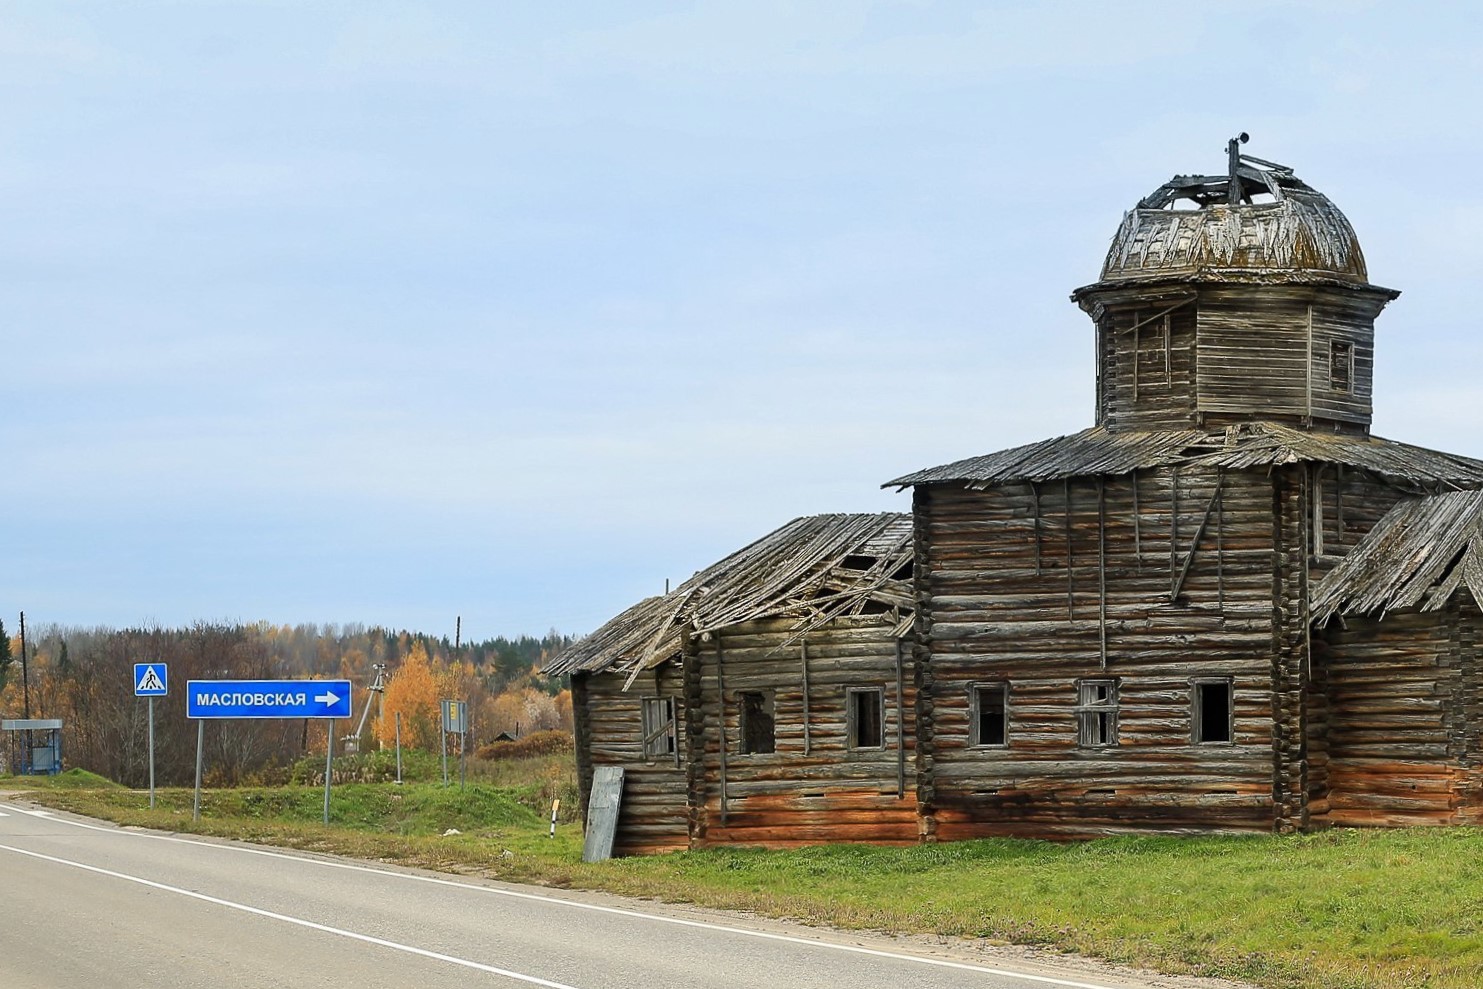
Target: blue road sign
[[267, 699], [151, 680]]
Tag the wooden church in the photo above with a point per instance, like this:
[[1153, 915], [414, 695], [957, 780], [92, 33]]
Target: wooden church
[[1223, 606]]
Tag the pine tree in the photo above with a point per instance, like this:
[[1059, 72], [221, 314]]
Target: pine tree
[[7, 659]]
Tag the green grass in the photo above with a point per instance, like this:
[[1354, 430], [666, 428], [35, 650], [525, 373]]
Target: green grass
[[73, 779], [1339, 910]]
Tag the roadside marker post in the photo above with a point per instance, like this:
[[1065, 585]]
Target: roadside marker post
[[208, 700], [151, 680]]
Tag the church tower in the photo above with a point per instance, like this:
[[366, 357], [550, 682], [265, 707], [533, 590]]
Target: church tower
[[1232, 298]]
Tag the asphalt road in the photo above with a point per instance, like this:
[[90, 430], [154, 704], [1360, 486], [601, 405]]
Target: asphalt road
[[86, 904]]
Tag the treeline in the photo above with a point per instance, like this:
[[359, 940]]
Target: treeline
[[84, 676]]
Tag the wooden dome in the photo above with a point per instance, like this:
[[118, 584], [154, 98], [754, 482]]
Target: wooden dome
[[1261, 221]]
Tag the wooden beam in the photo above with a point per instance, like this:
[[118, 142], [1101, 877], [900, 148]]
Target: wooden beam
[[900, 723], [1168, 347], [1035, 507], [1173, 526], [1102, 567], [721, 718], [1220, 549], [1070, 578], [807, 738], [1316, 500], [1135, 359], [1137, 526], [1194, 543]]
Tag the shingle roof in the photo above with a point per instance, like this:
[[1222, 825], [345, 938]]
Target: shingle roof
[[1098, 451], [813, 569], [1417, 555]]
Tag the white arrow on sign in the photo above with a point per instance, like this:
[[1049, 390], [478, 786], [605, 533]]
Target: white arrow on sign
[[327, 698]]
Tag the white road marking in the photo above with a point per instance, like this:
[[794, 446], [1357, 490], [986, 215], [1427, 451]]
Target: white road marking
[[298, 921], [598, 908]]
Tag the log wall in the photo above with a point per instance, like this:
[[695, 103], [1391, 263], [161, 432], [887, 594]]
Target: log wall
[[653, 815], [1407, 711], [814, 787], [1236, 353], [1147, 367], [1012, 587]]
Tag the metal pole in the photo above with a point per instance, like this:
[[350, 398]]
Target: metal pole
[[200, 746], [399, 748], [151, 753], [444, 735], [329, 766], [463, 757]]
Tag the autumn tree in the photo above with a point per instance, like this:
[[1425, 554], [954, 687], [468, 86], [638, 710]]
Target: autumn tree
[[413, 691]]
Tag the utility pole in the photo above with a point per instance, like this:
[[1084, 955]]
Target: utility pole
[[25, 673]]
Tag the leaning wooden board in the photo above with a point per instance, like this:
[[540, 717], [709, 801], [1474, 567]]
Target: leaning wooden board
[[602, 813]]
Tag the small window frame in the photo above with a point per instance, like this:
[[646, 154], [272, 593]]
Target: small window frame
[[1341, 366], [977, 692], [752, 739], [656, 714], [854, 697], [1097, 703], [1197, 719]]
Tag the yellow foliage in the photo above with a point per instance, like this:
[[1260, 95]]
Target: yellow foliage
[[414, 690]]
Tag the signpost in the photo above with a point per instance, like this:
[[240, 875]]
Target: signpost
[[151, 680], [220, 699], [455, 719]]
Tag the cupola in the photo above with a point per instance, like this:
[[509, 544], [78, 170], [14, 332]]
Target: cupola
[[1231, 298]]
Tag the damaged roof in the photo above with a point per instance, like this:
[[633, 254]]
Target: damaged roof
[[1417, 555], [1099, 451], [813, 569]]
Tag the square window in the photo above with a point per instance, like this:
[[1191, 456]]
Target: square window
[[1096, 713], [1212, 712], [989, 714], [758, 728], [866, 717], [658, 725]]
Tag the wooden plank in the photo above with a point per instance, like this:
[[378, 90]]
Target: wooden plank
[[602, 813]]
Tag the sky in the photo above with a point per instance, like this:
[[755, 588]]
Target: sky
[[397, 314]]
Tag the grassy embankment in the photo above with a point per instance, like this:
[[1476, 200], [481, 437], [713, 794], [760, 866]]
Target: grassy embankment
[[1339, 910]]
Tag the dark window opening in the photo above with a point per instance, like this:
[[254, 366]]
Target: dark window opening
[[658, 724], [1096, 713], [866, 718], [1212, 712], [990, 714], [758, 728], [1341, 365]]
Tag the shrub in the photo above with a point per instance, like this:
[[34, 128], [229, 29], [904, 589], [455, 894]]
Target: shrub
[[537, 743]]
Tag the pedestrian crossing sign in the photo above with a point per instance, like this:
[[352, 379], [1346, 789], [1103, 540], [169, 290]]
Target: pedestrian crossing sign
[[151, 680]]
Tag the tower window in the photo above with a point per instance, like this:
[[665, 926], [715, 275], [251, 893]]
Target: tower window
[[1341, 366]]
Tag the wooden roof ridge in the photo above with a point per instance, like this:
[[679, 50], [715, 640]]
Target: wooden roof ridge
[[798, 570], [1099, 451], [1417, 555]]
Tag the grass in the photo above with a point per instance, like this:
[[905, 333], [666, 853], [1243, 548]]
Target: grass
[[1338, 910]]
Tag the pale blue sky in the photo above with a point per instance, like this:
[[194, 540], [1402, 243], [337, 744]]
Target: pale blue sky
[[389, 312]]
